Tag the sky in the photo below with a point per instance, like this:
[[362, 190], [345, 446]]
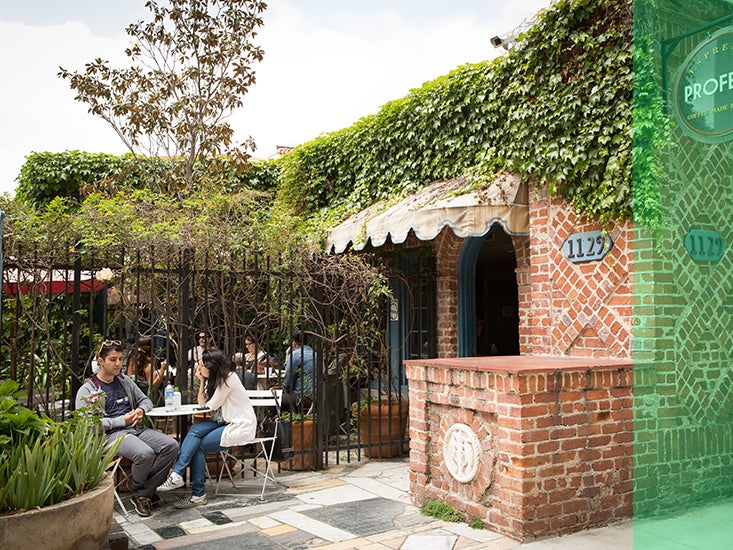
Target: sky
[[327, 64]]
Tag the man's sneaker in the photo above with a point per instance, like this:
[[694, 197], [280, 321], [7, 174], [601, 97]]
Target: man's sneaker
[[142, 506], [173, 482], [190, 502], [155, 499]]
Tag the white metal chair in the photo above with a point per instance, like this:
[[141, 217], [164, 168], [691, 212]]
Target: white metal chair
[[123, 479], [264, 445]]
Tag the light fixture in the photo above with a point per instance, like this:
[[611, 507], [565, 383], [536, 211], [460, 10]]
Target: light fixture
[[505, 41]]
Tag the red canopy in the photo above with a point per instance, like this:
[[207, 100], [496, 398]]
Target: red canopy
[[57, 281]]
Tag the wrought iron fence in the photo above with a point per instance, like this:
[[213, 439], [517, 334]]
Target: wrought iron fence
[[55, 310]]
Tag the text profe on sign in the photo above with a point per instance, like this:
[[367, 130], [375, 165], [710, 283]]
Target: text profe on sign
[[703, 90]]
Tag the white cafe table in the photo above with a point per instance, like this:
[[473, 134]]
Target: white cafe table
[[264, 377], [183, 416]]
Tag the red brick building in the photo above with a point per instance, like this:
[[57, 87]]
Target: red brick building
[[526, 425]]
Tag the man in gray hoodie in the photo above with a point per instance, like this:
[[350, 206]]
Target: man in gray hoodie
[[152, 453]]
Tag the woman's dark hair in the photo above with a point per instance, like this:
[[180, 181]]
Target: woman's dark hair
[[219, 366], [140, 356]]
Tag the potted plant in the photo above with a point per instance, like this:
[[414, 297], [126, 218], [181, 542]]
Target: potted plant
[[381, 412], [304, 441], [382, 423], [52, 477]]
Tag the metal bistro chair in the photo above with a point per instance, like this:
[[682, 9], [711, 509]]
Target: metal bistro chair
[[117, 468], [266, 445]]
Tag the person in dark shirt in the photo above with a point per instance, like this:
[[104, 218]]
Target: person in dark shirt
[[151, 452]]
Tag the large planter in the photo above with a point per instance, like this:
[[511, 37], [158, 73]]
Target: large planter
[[80, 523], [381, 429], [304, 439]]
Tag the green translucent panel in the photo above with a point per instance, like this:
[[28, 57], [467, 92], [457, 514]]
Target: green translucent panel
[[683, 274]]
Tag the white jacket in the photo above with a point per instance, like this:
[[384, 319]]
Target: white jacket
[[236, 410]]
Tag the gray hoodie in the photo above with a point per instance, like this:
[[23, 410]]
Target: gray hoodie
[[138, 400]]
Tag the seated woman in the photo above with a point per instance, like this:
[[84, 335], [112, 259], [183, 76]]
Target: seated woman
[[249, 379], [140, 367], [219, 388]]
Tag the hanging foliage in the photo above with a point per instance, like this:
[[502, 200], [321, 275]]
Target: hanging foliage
[[556, 109]]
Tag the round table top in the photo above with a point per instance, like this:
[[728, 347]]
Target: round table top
[[183, 411]]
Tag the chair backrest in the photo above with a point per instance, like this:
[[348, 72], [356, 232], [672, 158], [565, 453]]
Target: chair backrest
[[265, 398]]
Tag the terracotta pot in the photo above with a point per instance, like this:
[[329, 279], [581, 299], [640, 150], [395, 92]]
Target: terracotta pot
[[381, 424], [304, 439], [79, 523]]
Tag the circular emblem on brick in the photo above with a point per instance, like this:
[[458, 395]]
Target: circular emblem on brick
[[461, 452]]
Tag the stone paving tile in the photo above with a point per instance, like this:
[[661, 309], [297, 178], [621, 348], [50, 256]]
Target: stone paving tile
[[433, 542], [356, 544], [336, 495], [253, 511], [264, 522], [295, 538], [318, 528], [210, 537], [194, 524], [364, 518], [393, 542], [142, 534], [378, 488], [324, 484], [170, 531], [217, 517], [279, 529], [479, 535], [250, 541]]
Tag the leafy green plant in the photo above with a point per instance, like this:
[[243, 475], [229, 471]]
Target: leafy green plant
[[555, 109], [441, 510], [43, 462], [476, 523], [289, 416], [18, 424]]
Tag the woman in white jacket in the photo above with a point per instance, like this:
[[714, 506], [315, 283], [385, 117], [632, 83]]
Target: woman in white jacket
[[221, 389]]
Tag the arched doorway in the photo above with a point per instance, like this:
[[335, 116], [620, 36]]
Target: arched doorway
[[488, 316]]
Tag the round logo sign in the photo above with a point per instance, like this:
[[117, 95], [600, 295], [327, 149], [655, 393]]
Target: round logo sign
[[703, 90], [461, 452]]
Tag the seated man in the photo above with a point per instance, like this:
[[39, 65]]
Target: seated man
[[151, 452], [298, 382]]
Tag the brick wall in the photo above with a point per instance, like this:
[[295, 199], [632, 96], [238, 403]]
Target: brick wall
[[446, 248], [556, 440], [583, 309]]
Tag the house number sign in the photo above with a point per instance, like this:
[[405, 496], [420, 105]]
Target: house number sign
[[704, 246], [587, 247]]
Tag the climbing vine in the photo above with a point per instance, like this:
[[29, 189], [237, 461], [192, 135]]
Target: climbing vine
[[556, 109]]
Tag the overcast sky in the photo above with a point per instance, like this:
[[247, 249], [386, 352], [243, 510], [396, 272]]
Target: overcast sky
[[327, 63]]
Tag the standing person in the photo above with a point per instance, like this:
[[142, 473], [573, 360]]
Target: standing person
[[125, 405], [219, 389], [299, 366], [195, 353]]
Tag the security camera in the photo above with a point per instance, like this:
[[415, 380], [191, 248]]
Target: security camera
[[506, 41]]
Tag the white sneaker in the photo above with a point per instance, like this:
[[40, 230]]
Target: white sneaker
[[174, 481], [190, 502]]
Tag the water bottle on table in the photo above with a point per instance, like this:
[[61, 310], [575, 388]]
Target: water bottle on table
[[169, 396]]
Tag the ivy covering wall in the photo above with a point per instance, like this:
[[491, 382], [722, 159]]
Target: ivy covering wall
[[556, 109]]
